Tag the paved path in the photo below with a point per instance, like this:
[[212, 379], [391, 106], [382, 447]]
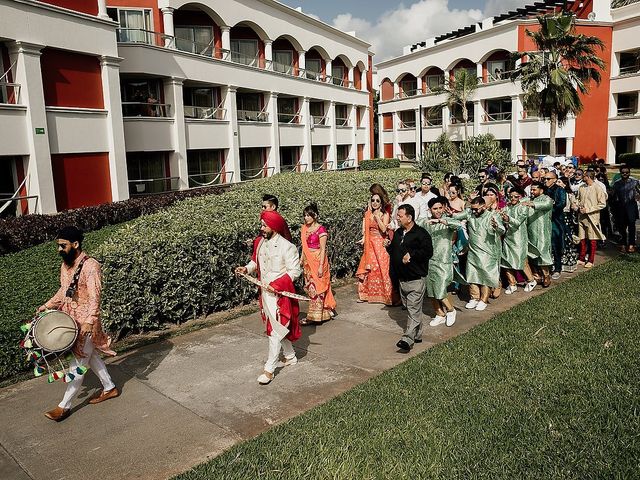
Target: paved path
[[188, 399]]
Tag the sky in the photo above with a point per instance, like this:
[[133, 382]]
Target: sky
[[388, 26]]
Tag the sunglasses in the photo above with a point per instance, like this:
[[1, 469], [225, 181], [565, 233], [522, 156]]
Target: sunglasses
[[413, 187], [549, 178], [426, 183], [453, 192], [375, 200], [401, 190], [482, 178], [515, 195], [476, 210]]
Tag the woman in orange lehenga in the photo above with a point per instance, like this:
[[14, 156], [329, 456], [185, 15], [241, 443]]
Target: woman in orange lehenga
[[315, 263], [373, 272]]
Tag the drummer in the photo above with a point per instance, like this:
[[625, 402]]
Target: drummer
[[79, 297]]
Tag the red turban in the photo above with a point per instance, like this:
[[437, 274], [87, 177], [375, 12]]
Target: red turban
[[275, 222]]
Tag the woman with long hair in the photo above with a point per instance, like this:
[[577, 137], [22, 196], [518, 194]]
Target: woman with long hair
[[315, 264], [570, 251], [375, 284]]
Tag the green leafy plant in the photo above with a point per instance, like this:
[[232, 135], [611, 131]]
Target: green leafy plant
[[379, 163], [459, 90], [632, 160], [477, 151], [440, 156]]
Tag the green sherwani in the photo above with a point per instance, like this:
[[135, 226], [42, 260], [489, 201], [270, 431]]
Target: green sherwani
[[516, 239], [485, 248], [440, 273], [539, 230]]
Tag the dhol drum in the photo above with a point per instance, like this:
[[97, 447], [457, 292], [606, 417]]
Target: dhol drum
[[54, 331]]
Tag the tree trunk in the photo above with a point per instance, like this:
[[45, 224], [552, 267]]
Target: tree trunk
[[465, 117], [552, 134]]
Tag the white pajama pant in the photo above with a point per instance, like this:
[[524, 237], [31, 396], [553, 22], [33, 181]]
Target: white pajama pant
[[276, 343], [92, 359]]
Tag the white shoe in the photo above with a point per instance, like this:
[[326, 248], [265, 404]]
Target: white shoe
[[510, 289], [287, 362], [451, 318], [473, 303], [437, 320], [530, 286], [481, 306], [265, 378]]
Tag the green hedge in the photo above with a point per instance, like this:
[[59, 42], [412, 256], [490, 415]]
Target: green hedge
[[379, 163], [177, 264], [631, 160]]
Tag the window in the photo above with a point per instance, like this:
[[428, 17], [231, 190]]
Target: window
[[204, 167], [250, 107], [252, 163], [498, 110], [135, 25], [245, 52], [434, 81], [141, 98], [338, 75], [630, 62], [342, 152], [409, 87], [318, 156], [287, 110], [499, 70], [456, 113], [408, 150], [407, 119], [288, 158], [200, 102], [316, 109], [195, 39], [283, 61], [433, 117], [314, 67], [627, 104], [342, 117], [148, 172]]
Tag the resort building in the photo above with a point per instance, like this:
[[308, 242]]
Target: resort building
[[409, 113], [101, 100]]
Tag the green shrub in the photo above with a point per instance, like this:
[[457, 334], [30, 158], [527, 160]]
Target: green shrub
[[379, 163], [632, 160], [440, 156], [478, 150]]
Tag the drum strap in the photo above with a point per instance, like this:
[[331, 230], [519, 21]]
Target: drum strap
[[73, 286]]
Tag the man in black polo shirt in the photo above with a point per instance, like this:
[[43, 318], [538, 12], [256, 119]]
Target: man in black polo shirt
[[410, 251]]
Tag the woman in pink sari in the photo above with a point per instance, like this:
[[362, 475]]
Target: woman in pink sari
[[373, 272]]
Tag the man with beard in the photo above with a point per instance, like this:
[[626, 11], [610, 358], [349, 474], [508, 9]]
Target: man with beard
[[539, 231], [275, 261], [559, 197], [79, 297]]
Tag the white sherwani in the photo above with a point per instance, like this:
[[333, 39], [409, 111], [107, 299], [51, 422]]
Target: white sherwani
[[276, 257]]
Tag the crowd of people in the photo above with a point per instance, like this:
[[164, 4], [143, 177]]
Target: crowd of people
[[520, 229]]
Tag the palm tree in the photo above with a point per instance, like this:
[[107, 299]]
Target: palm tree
[[562, 68], [458, 91]]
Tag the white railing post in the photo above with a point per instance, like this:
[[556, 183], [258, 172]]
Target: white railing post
[[226, 37], [102, 9], [328, 71], [268, 54], [302, 62]]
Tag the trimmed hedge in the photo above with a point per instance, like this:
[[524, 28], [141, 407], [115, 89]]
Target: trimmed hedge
[[177, 264], [23, 232], [631, 160], [379, 163]]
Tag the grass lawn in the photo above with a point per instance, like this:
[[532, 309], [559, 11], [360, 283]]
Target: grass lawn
[[549, 389]]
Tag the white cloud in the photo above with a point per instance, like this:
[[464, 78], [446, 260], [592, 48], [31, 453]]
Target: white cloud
[[407, 25]]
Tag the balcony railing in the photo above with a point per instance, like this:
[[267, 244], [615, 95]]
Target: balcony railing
[[319, 120], [145, 109], [205, 49], [347, 164], [9, 93], [13, 206], [246, 59], [407, 124], [627, 112], [433, 122], [529, 115], [630, 69], [289, 118], [454, 120], [341, 82], [282, 68], [497, 117], [253, 116], [407, 93], [298, 167], [257, 172], [200, 180], [205, 113], [311, 75], [321, 166], [152, 186], [147, 37], [343, 122], [499, 77]]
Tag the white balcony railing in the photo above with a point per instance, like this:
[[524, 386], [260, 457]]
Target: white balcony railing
[[256, 172], [289, 118], [407, 94], [319, 120], [497, 117], [147, 37], [282, 68], [152, 186], [627, 112], [253, 116], [245, 59], [208, 179], [205, 113], [311, 75], [145, 109], [343, 122], [433, 122], [630, 69], [407, 124]]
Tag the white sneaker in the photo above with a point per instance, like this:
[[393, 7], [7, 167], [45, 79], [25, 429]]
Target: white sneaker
[[510, 289], [265, 378], [287, 362], [530, 286], [451, 318], [481, 306], [437, 320], [473, 303]]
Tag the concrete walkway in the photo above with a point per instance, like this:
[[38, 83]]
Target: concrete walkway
[[188, 399]]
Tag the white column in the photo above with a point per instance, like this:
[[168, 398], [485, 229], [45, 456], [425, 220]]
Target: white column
[[232, 162], [307, 121], [167, 19], [328, 70], [611, 149], [110, 69], [396, 89], [637, 147], [516, 114], [477, 116], [479, 72], [332, 154], [380, 135], [28, 75], [367, 133], [274, 152], [268, 54], [354, 134], [226, 37], [102, 9], [350, 76], [419, 85], [446, 119], [302, 62], [418, 144], [569, 152], [178, 161], [363, 81], [615, 65], [396, 145]]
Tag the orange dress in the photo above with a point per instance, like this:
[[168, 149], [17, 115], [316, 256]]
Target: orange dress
[[318, 289], [373, 272]]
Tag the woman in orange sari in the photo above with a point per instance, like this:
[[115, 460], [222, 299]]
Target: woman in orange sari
[[373, 272], [315, 264]]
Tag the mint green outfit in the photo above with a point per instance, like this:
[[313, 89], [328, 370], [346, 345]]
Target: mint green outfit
[[516, 238], [440, 273], [539, 230], [485, 248]]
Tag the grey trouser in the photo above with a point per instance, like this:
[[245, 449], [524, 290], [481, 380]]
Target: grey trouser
[[412, 295]]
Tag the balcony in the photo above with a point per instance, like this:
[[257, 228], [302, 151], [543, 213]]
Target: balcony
[[153, 186], [627, 112], [497, 117], [145, 109], [253, 116], [407, 94], [205, 113], [208, 179], [319, 120], [343, 122], [406, 125], [255, 173], [146, 37], [9, 93], [289, 118]]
